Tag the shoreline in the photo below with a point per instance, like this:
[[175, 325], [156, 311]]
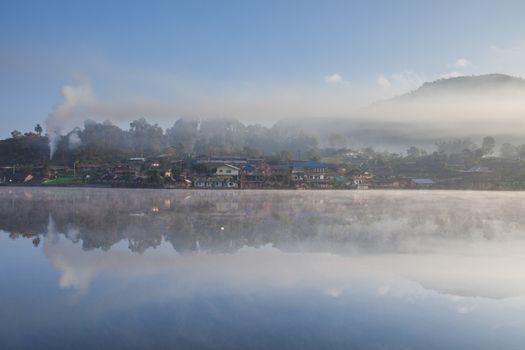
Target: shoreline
[[102, 186]]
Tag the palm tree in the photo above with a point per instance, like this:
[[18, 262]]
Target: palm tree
[[38, 129]]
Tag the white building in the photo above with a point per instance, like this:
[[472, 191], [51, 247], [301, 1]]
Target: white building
[[227, 170]]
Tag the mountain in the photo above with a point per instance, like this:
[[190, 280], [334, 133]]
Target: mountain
[[457, 93], [468, 85]]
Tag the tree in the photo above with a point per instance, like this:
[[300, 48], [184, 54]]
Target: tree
[[168, 157], [38, 129], [488, 144], [251, 152], [336, 140], [101, 142], [154, 176], [147, 139], [508, 151], [285, 156], [15, 134], [313, 154], [200, 168], [368, 152], [454, 146], [170, 154], [413, 152], [521, 152]]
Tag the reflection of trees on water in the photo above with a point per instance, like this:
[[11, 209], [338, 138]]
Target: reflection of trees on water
[[224, 221]]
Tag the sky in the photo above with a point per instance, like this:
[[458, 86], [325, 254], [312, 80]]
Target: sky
[[258, 61]]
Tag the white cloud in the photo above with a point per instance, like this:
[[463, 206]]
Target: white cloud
[[383, 82], [333, 79], [402, 81], [408, 78], [336, 79], [461, 63]]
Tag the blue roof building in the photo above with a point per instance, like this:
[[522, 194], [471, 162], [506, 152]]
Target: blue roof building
[[248, 167], [423, 181], [308, 165]]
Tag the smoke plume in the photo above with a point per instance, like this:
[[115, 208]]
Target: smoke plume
[[74, 107], [74, 140]]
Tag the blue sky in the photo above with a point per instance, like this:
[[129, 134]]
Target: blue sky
[[258, 61]]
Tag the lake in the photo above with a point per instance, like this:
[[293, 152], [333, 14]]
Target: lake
[[137, 269]]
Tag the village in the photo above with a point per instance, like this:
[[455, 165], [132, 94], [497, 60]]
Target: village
[[103, 155], [219, 172]]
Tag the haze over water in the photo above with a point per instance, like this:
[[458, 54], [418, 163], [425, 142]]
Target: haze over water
[[261, 269]]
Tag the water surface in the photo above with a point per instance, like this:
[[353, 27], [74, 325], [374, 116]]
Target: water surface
[[106, 269]]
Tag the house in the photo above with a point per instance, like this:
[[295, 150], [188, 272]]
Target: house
[[344, 181], [363, 181], [310, 174], [123, 173], [278, 176], [248, 169], [421, 183], [308, 166], [227, 170], [389, 182], [257, 175], [279, 172], [253, 177], [57, 170], [383, 171], [208, 182], [355, 159], [308, 170], [224, 176], [216, 160]]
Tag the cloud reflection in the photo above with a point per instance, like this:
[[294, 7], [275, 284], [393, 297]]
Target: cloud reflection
[[386, 243]]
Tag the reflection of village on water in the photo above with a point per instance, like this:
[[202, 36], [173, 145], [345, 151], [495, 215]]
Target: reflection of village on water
[[225, 221]]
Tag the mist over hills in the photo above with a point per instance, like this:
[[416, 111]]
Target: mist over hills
[[456, 108], [459, 107]]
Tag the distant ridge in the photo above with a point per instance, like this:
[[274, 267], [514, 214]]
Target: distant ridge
[[488, 88], [474, 84]]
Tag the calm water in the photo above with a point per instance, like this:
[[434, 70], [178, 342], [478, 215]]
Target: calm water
[[109, 269]]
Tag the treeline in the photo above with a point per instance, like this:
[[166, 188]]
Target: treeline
[[105, 141], [469, 149], [24, 148]]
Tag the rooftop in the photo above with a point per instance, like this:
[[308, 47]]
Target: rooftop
[[309, 164], [423, 181]]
